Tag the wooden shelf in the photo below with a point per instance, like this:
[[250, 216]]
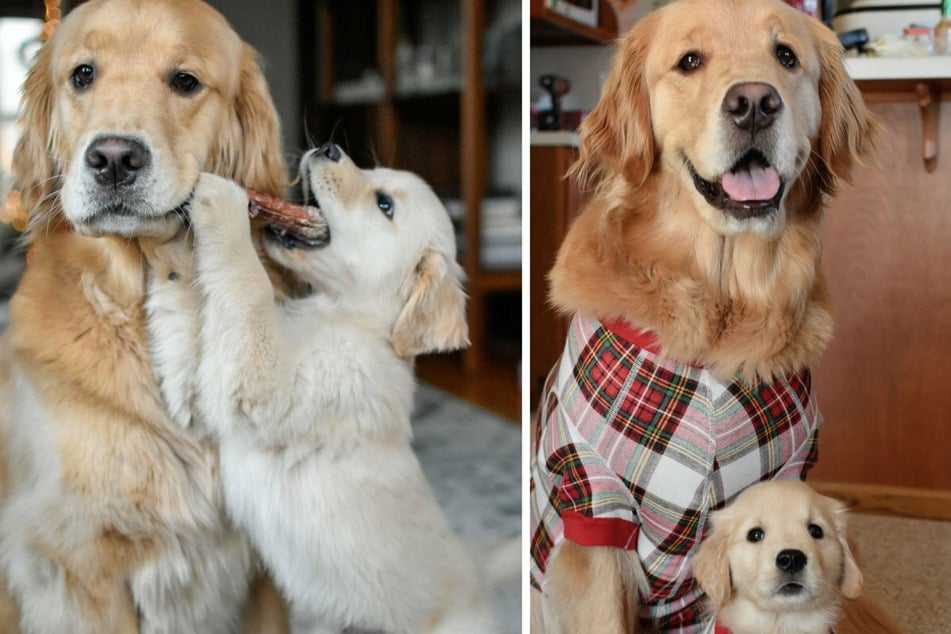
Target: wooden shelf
[[490, 280], [549, 28], [553, 29], [440, 130]]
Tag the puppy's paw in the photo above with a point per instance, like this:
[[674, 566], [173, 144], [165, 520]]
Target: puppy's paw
[[219, 207]]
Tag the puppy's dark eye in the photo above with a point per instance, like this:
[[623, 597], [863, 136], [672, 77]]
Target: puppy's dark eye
[[755, 535], [385, 203], [786, 56], [690, 62], [184, 83], [83, 76], [816, 532]]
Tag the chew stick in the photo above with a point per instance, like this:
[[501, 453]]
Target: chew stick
[[301, 220]]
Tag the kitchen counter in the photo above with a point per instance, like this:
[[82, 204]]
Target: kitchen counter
[[554, 137], [899, 68]]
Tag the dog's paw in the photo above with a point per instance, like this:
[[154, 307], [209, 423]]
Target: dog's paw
[[219, 207]]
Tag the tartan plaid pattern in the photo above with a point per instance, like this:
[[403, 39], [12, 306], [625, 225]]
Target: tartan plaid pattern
[[633, 450]]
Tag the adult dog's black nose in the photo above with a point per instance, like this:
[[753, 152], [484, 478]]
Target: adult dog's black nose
[[791, 560], [117, 160], [330, 151], [752, 105]]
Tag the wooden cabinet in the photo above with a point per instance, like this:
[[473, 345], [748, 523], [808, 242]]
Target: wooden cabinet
[[422, 85], [556, 200], [883, 383]]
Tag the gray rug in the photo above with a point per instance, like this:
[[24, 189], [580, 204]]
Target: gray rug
[[473, 460]]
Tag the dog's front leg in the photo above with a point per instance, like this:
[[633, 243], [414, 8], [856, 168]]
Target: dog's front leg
[[244, 372], [591, 589]]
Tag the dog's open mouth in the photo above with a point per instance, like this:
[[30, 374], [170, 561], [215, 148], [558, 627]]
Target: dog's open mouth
[[750, 189], [298, 230], [290, 239]]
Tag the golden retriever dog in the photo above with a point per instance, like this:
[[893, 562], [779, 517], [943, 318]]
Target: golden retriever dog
[[776, 561], [111, 518], [310, 398], [693, 277]]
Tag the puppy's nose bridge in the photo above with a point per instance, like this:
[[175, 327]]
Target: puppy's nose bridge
[[791, 560], [752, 105]]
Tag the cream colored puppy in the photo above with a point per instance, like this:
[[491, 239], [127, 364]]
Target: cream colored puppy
[[311, 399], [777, 561]]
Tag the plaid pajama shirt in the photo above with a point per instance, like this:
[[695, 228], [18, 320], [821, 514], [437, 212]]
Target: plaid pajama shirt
[[633, 450]]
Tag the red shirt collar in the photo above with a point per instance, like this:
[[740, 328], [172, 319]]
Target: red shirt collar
[[643, 339]]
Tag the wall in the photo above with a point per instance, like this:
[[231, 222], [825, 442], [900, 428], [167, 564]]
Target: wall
[[584, 66], [271, 28]]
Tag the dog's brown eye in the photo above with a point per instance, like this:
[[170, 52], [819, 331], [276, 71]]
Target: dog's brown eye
[[184, 83], [755, 535], [786, 57], [690, 62], [816, 531], [385, 203], [82, 76]]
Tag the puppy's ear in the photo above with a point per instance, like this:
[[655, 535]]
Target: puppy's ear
[[851, 582], [248, 147], [847, 129], [32, 159], [710, 564], [616, 137], [434, 316]]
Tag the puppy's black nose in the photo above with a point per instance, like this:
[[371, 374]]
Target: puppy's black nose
[[116, 161], [752, 105], [791, 560], [330, 151]]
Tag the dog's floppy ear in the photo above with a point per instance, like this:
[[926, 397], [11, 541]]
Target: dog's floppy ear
[[33, 157], [847, 129], [616, 137], [249, 145], [434, 316], [851, 582], [711, 567]]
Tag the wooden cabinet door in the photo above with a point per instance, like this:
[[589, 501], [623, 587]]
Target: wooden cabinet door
[[555, 202], [884, 383]]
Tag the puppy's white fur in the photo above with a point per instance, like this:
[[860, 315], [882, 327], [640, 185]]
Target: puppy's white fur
[[741, 576], [311, 399]]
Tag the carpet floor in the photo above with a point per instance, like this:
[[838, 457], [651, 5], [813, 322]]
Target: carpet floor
[[905, 564], [473, 459]]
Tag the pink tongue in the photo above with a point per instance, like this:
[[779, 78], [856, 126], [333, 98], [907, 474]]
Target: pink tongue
[[756, 183]]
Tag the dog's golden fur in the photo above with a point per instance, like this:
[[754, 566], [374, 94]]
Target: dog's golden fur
[[642, 250], [741, 297], [82, 414]]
